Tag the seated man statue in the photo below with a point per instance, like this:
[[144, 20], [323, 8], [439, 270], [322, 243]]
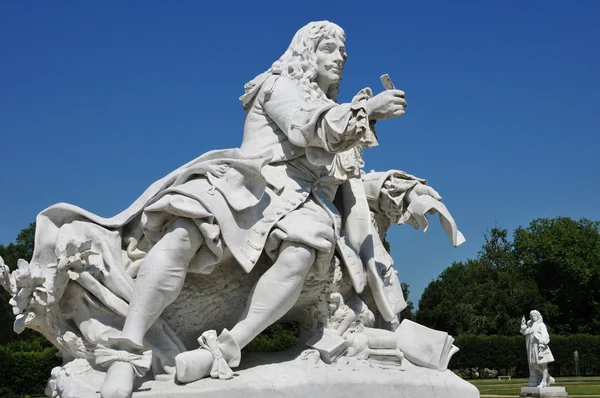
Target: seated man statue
[[294, 191]]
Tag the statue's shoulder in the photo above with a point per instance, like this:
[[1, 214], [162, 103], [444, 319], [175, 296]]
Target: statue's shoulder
[[262, 85], [283, 84], [253, 87], [269, 85]]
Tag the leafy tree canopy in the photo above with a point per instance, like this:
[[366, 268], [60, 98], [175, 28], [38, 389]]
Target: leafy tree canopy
[[552, 265], [22, 248]]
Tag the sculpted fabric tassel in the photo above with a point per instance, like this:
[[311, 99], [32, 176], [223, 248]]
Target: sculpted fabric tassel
[[220, 368], [106, 356]]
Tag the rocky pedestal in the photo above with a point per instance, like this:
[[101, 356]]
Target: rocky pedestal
[[287, 374], [543, 392]]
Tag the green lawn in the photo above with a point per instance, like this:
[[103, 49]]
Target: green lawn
[[576, 386]]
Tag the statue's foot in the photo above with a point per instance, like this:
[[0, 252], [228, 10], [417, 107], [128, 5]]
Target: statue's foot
[[551, 381], [543, 384], [125, 360], [213, 358], [119, 381]]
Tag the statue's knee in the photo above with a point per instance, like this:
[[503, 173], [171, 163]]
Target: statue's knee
[[297, 256], [184, 232]]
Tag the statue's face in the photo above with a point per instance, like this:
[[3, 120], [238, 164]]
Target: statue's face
[[331, 56], [534, 316]]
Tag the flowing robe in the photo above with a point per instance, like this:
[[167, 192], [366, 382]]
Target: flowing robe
[[537, 339], [280, 185]]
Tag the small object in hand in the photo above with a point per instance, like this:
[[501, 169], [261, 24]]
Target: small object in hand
[[387, 82]]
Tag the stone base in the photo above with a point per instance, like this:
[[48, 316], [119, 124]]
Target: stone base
[[543, 392], [287, 375]]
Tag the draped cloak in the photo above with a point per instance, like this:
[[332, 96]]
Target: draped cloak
[[537, 339], [280, 185]]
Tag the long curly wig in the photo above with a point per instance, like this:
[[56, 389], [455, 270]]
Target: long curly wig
[[299, 62], [536, 312]]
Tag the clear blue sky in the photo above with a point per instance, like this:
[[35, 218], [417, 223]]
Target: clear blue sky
[[99, 99]]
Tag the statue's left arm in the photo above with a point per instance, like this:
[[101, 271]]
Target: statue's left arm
[[399, 197], [387, 193]]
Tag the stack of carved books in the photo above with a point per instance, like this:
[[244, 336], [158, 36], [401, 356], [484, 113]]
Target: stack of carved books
[[330, 345], [424, 346]]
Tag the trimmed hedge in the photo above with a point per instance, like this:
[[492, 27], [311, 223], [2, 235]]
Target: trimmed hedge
[[508, 354], [278, 337], [25, 368]]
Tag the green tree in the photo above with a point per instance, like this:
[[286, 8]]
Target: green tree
[[553, 265], [409, 311], [467, 298], [486, 295], [22, 248], [562, 255]]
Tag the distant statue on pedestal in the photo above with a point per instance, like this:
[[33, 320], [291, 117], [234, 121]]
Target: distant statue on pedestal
[[538, 352]]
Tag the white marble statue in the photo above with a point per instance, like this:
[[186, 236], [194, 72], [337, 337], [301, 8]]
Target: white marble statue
[[286, 226], [538, 352]]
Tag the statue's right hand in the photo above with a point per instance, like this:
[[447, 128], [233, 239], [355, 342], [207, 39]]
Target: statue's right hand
[[386, 105]]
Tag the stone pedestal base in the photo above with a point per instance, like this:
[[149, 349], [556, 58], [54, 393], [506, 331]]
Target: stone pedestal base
[[543, 392], [285, 375]]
